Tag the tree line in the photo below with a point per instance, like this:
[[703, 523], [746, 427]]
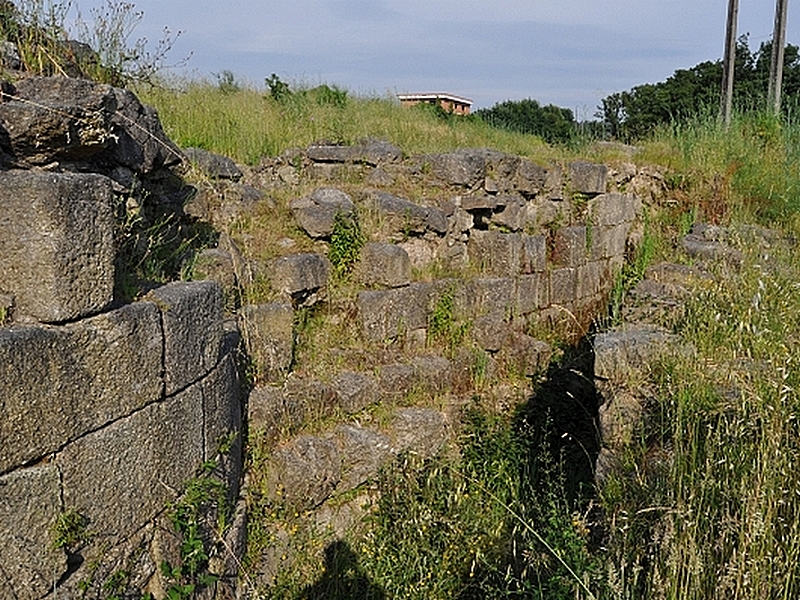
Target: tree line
[[633, 114]]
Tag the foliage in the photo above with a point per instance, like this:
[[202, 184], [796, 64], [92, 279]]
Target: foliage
[[687, 93], [226, 82], [552, 123], [103, 51], [153, 245], [443, 326], [480, 526], [251, 124], [346, 242], [202, 507], [704, 506], [70, 531]]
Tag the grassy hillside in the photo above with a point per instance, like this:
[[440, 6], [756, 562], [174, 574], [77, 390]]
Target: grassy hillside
[[717, 518]]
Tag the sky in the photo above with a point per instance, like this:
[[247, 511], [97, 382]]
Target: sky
[[571, 53]]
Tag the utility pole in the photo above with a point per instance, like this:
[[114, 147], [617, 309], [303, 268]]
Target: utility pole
[[778, 44], [729, 62]]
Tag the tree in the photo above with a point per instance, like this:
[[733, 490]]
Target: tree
[[688, 92], [553, 123]]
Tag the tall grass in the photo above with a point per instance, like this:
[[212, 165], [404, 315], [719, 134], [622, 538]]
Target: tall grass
[[246, 123], [707, 505], [749, 170]]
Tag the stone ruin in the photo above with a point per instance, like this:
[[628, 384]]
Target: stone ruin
[[110, 406]]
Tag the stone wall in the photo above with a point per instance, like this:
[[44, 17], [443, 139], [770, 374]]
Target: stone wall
[[108, 408]]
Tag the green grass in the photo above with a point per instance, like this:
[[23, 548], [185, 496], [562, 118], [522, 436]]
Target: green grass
[[247, 124], [749, 171]]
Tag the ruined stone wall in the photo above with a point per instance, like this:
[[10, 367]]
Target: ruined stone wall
[[107, 408]]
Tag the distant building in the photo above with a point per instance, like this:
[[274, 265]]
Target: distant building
[[449, 102]]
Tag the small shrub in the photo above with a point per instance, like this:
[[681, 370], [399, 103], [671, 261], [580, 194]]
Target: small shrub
[[70, 531], [346, 242]]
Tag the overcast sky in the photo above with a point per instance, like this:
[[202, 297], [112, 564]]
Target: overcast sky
[[570, 53]]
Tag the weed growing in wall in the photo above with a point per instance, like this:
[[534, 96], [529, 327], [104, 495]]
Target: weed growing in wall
[[346, 242]]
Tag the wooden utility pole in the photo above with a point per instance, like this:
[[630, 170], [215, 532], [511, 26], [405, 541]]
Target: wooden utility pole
[[729, 62], [778, 44]]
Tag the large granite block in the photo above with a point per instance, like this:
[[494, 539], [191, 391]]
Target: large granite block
[[193, 330], [30, 503], [57, 243], [121, 476], [57, 383]]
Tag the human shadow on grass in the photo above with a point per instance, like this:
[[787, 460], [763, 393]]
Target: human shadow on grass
[[557, 429], [342, 579]]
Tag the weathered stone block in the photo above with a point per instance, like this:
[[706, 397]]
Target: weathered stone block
[[272, 415], [563, 285], [419, 430], [214, 165], [402, 217], [491, 331], [305, 472], [355, 391], [63, 119], [57, 383], [485, 295], [513, 213], [434, 373], [193, 330], [464, 167], [316, 213], [397, 379], [569, 246], [375, 152], [534, 254], [30, 503], [614, 209], [363, 452], [609, 241], [300, 275], [385, 265], [119, 482], [386, 314], [269, 332], [139, 142], [526, 355], [619, 354], [57, 243], [588, 178], [330, 153], [593, 279], [532, 293], [530, 178], [495, 253], [308, 396], [480, 201]]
